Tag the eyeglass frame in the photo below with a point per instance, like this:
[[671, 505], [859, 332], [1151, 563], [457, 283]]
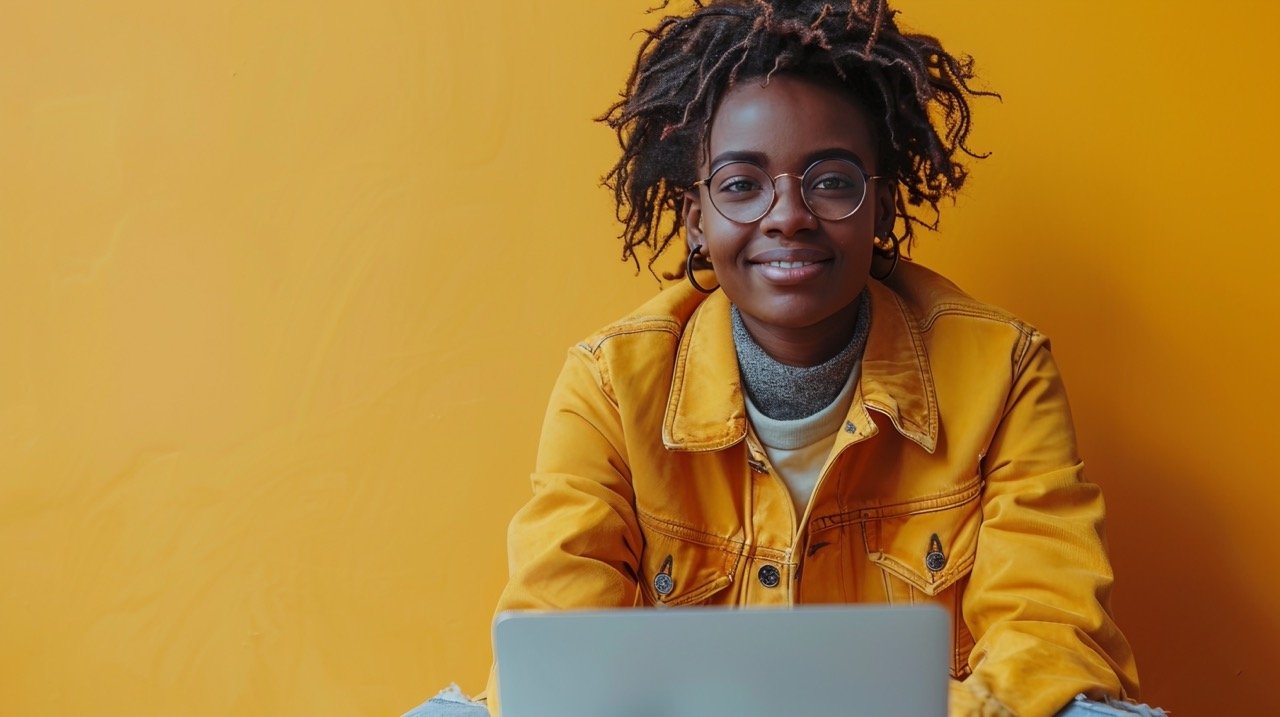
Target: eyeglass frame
[[773, 182]]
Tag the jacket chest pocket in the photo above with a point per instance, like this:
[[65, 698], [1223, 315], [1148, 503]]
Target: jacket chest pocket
[[925, 552], [680, 566]]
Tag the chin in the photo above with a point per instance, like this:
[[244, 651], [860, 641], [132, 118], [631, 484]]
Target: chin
[[795, 317]]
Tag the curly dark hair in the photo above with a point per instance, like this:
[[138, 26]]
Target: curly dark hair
[[915, 94]]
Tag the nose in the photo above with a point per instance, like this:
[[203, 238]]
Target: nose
[[789, 214]]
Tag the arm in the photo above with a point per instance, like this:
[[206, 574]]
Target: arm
[[1038, 597], [577, 542]]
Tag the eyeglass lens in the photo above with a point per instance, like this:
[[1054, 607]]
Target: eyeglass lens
[[743, 192]]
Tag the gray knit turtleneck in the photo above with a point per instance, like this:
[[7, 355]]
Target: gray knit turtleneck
[[787, 393]]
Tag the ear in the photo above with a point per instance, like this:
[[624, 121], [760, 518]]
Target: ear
[[691, 216], [886, 206]]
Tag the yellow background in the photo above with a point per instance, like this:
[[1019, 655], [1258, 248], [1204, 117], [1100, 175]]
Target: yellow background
[[286, 284]]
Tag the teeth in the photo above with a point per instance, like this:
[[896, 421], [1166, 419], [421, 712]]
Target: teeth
[[790, 264]]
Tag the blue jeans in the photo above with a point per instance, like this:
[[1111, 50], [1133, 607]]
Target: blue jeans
[[1080, 707]]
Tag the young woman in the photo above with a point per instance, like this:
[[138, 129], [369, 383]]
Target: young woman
[[811, 418]]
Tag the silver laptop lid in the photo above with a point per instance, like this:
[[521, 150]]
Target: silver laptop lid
[[859, 660]]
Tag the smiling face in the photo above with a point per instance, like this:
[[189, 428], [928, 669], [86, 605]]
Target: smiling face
[[794, 277]]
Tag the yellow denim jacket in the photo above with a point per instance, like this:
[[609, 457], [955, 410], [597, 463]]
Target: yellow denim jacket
[[955, 480]]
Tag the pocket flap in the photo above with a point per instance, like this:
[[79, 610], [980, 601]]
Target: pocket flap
[[930, 547], [683, 567]]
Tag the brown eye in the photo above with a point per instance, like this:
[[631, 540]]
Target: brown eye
[[738, 185], [833, 183], [742, 185]]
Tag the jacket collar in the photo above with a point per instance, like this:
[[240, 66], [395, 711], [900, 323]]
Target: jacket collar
[[706, 411]]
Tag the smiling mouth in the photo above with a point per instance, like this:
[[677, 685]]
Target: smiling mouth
[[792, 272], [789, 264]]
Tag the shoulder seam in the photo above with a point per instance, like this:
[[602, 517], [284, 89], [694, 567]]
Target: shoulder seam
[[599, 369], [1023, 351], [973, 311], [640, 325]]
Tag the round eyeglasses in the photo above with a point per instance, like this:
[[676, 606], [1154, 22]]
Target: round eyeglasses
[[832, 189]]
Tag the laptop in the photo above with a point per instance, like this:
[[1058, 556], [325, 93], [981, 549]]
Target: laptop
[[854, 660]]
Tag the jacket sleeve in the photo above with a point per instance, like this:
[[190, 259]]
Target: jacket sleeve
[[1038, 597], [577, 542]]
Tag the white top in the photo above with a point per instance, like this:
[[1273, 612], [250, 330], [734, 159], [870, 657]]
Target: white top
[[798, 449]]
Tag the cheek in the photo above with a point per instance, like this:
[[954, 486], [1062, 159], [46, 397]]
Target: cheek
[[859, 234], [724, 243], [717, 252]]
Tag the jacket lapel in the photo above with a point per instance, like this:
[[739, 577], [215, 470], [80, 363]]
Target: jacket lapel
[[705, 410], [896, 378]]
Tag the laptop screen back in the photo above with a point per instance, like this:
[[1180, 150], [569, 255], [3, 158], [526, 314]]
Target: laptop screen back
[[871, 661]]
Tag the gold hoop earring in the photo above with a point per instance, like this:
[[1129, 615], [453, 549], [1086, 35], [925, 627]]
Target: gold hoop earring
[[688, 270], [887, 253]]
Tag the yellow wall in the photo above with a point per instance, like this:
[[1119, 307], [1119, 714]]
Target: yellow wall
[[286, 285]]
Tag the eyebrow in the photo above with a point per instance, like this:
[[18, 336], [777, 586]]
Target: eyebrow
[[761, 158]]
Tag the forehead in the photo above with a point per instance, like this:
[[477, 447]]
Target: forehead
[[788, 121]]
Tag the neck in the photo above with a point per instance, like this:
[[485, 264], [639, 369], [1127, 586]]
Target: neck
[[806, 345]]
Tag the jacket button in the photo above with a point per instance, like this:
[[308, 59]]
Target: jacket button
[[663, 584], [769, 576], [935, 561]]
